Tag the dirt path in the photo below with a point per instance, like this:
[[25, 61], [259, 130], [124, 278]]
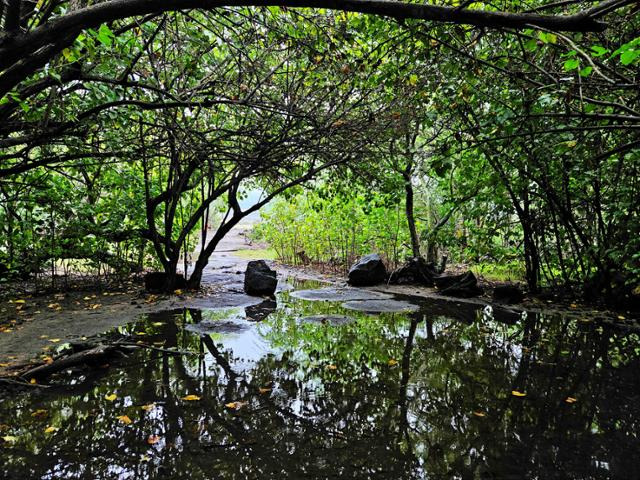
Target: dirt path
[[226, 266]]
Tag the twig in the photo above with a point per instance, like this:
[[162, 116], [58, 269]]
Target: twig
[[24, 384]]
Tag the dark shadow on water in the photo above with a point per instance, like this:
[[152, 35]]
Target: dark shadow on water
[[426, 394], [257, 313]]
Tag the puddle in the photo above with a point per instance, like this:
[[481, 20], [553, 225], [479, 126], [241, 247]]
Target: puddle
[[309, 389]]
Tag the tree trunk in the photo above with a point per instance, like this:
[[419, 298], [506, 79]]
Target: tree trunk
[[411, 222], [531, 258], [171, 271]]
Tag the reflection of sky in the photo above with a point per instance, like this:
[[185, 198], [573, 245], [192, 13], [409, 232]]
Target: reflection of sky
[[230, 331]]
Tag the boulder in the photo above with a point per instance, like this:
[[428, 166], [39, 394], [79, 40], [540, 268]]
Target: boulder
[[464, 285], [259, 279], [508, 294], [369, 270], [156, 281], [415, 271]]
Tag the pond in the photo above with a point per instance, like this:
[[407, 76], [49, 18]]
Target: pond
[[311, 389]]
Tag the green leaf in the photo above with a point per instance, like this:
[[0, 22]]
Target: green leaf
[[629, 56], [531, 45], [598, 51], [69, 55], [547, 37], [586, 71], [571, 64], [105, 35]]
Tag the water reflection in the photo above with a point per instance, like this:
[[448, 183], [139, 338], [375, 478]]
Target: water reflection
[[420, 395]]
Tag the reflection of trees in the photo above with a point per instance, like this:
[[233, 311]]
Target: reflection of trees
[[367, 418]]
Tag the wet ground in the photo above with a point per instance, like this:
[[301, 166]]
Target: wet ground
[[32, 325], [317, 387]]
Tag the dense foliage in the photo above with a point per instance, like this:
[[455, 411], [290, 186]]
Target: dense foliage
[[513, 144]]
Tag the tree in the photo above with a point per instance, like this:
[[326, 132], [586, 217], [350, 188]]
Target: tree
[[34, 35]]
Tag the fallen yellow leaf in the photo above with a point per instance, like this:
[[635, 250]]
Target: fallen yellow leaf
[[50, 429], [54, 340], [235, 405], [124, 419], [570, 400], [516, 393], [157, 324], [264, 390], [10, 439], [4, 365], [621, 317], [153, 439], [191, 398], [40, 413], [178, 292], [22, 302], [33, 381], [392, 362], [111, 397], [331, 367], [148, 408], [479, 414], [573, 305]]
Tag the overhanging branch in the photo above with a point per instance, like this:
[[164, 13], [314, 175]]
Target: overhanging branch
[[20, 47]]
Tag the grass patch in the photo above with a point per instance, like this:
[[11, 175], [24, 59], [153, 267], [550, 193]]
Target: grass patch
[[494, 272], [259, 254]]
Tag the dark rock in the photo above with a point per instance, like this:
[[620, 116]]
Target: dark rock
[[508, 294], [157, 281], [259, 279], [444, 281], [415, 272], [464, 285], [369, 270]]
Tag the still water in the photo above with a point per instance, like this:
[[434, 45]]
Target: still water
[[310, 389]]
